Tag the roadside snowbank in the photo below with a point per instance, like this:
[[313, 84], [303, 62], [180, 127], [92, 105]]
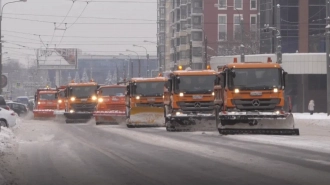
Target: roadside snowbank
[[6, 135], [319, 119]]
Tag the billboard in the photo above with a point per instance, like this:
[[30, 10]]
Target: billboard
[[57, 58]]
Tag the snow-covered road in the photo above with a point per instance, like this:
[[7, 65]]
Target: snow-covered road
[[53, 153]]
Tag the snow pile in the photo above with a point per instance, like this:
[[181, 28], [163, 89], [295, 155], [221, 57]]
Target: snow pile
[[6, 135], [319, 119]]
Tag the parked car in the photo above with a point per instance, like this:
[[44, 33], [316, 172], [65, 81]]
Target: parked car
[[22, 99], [8, 118], [3, 103], [19, 108]]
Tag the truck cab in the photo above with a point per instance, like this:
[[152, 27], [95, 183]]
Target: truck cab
[[189, 100], [46, 103]]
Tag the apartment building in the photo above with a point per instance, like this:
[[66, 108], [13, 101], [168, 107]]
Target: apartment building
[[302, 25], [221, 25]]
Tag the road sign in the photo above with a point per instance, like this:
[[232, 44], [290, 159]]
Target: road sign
[[4, 81]]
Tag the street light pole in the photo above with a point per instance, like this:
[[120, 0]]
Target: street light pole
[[139, 60], [1, 37], [146, 55], [130, 66]]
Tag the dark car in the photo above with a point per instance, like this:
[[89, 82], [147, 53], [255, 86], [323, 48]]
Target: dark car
[[3, 103], [19, 108]]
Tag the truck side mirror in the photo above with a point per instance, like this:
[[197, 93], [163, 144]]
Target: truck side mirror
[[128, 89], [178, 79], [169, 85], [233, 73], [56, 95], [285, 74]]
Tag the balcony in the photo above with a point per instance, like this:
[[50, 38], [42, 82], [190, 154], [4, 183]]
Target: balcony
[[198, 10]]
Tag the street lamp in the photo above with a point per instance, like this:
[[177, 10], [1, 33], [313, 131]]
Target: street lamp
[[0, 39], [138, 58], [146, 55], [150, 42]]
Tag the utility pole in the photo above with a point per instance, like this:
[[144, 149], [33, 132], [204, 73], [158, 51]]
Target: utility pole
[[191, 54], [205, 53], [278, 35], [242, 51], [174, 56], [147, 65], [328, 54]]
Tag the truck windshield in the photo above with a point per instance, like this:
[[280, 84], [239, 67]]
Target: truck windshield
[[113, 91], [195, 84], [255, 79], [149, 88], [83, 91], [47, 96]]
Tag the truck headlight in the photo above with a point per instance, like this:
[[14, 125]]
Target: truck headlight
[[236, 91], [71, 111], [59, 101], [275, 90], [94, 98], [177, 113], [100, 100], [181, 94], [137, 97], [38, 102], [212, 93], [72, 98]]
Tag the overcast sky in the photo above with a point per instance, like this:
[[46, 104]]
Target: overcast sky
[[124, 22]]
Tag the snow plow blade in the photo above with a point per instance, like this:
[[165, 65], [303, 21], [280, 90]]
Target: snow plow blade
[[43, 113], [202, 122], [109, 117], [78, 117], [258, 123], [146, 117]]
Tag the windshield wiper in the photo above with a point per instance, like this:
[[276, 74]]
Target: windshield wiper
[[264, 87], [198, 91]]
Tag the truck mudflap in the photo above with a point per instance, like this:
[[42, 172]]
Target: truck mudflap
[[78, 117], [265, 123], [191, 122], [109, 117], [145, 117], [43, 113]]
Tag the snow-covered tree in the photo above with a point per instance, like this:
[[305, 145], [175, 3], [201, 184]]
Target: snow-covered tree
[[69, 77], [84, 76], [77, 78]]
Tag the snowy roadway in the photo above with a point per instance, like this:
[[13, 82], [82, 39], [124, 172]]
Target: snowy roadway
[[47, 153]]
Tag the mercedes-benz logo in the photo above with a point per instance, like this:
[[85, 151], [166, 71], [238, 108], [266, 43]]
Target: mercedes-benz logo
[[255, 103], [197, 104]]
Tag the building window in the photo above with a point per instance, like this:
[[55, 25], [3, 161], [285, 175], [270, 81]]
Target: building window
[[253, 26], [239, 4], [197, 51], [222, 27], [253, 4], [222, 4], [237, 27], [197, 36]]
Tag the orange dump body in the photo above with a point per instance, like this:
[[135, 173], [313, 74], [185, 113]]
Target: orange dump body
[[111, 106], [46, 103]]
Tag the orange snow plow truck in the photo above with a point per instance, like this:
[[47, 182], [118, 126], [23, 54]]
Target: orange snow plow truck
[[111, 105], [46, 103], [144, 102], [189, 100], [250, 99], [81, 101]]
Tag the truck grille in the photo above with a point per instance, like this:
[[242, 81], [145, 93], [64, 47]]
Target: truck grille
[[256, 104], [88, 107], [116, 107], [196, 106], [150, 104]]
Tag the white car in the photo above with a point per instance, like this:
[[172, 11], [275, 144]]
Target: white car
[[8, 118]]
